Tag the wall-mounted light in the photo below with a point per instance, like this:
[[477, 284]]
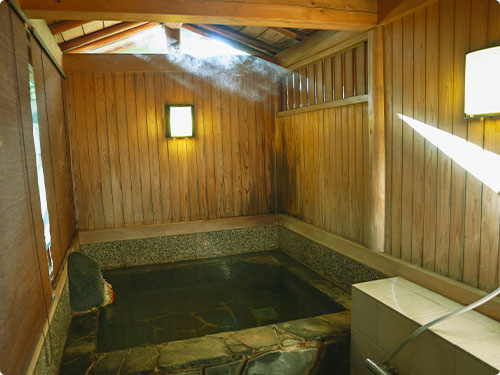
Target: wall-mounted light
[[482, 83], [180, 121]]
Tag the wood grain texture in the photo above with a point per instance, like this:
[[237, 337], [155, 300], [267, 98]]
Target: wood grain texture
[[442, 217], [118, 128], [330, 15], [320, 163]]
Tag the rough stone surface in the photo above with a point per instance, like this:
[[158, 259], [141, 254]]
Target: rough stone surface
[[176, 248], [230, 368], [334, 266], [109, 363], [54, 346], [237, 348], [340, 321], [294, 362], [86, 284], [308, 329], [335, 359], [77, 366], [257, 338], [81, 337], [193, 352], [140, 360]]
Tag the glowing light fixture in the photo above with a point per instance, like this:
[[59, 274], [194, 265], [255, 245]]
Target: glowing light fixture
[[482, 164], [482, 83], [180, 121]]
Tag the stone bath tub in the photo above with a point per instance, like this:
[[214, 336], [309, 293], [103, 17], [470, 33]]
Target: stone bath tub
[[258, 313]]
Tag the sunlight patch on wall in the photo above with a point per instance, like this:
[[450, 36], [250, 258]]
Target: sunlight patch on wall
[[482, 164]]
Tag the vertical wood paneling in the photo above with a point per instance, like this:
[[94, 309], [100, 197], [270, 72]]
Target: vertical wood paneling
[[407, 173], [142, 137], [125, 175], [102, 137], [397, 134], [114, 152], [339, 76], [323, 154], [431, 118], [418, 141], [388, 134], [454, 218], [457, 200], [475, 132], [118, 130]]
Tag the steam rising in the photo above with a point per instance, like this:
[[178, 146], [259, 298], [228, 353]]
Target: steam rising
[[225, 70]]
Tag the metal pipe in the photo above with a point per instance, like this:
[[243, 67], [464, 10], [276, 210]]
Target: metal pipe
[[377, 369]]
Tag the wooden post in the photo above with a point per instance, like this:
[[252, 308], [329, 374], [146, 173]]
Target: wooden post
[[173, 34], [375, 213]]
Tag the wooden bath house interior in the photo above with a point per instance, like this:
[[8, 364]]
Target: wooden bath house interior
[[249, 187]]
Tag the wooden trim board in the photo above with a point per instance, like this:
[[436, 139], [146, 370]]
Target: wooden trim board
[[58, 288], [392, 266], [185, 227], [317, 107]]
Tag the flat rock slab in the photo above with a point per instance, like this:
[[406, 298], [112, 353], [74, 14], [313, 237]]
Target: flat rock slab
[[340, 321], [295, 362], [230, 368], [257, 338], [190, 353], [140, 360], [309, 328]]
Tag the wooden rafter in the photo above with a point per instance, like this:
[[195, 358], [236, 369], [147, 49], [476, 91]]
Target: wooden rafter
[[63, 26], [325, 14], [243, 39], [231, 42], [113, 38], [98, 35], [294, 34]]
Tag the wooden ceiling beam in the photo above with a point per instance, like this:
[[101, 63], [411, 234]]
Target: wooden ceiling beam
[[113, 38], [230, 42], [243, 39], [63, 26], [323, 14], [95, 36]]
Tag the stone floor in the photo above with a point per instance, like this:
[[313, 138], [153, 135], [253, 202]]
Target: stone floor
[[318, 344]]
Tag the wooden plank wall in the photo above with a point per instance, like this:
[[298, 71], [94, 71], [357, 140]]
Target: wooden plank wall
[[340, 76], [24, 276], [322, 168], [126, 172], [439, 216]]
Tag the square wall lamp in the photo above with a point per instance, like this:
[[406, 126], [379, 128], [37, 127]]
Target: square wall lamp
[[180, 120], [482, 83]]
